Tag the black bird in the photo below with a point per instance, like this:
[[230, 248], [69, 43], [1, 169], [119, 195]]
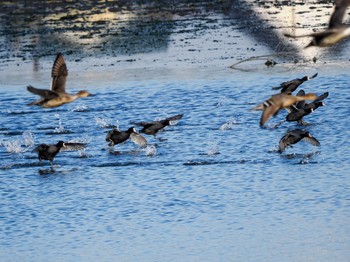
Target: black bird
[[336, 30], [116, 136], [48, 152], [302, 109], [294, 136], [151, 128], [290, 86]]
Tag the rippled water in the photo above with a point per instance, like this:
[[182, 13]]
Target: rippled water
[[215, 189], [212, 187]]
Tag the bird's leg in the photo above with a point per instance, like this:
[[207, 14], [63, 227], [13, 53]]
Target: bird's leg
[[280, 123]]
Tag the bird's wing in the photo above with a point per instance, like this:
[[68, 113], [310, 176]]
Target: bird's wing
[[284, 84], [300, 104], [176, 117], [138, 139], [317, 102], [267, 113], [318, 34], [73, 146], [321, 97], [311, 77], [283, 142], [144, 124], [59, 74], [338, 14], [311, 140], [44, 93]]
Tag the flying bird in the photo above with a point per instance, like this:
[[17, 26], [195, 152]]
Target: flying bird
[[276, 102], [48, 152], [336, 30], [56, 95], [116, 136], [289, 87], [301, 109], [294, 136], [151, 128]]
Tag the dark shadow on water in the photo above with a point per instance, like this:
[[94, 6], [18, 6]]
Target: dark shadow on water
[[55, 170], [136, 163], [212, 162], [33, 29], [302, 158]]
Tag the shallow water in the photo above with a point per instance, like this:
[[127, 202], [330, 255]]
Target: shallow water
[[212, 187]]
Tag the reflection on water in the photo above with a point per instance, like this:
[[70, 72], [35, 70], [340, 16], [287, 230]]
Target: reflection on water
[[31, 30]]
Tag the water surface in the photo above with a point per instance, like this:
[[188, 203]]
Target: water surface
[[210, 188]]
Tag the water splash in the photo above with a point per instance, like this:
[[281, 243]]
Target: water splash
[[213, 150], [60, 129], [84, 140], [83, 154], [6, 166], [221, 102], [150, 150], [14, 147], [106, 123], [28, 138], [228, 125], [80, 108]]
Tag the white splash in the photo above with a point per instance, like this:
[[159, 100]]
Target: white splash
[[83, 154], [213, 150], [60, 129], [80, 108], [228, 125], [28, 138], [14, 147], [105, 122], [221, 102], [150, 150]]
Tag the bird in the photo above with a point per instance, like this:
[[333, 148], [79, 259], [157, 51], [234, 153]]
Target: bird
[[290, 86], [56, 95], [116, 136], [276, 102], [151, 128], [48, 152], [336, 30], [294, 136], [301, 109]]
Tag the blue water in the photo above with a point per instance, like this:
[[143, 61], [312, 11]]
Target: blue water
[[211, 191], [211, 187]]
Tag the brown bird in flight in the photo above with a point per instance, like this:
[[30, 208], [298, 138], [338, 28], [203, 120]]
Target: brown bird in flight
[[57, 95], [276, 102], [336, 30]]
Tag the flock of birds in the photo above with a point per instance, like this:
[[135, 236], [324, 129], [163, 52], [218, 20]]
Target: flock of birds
[[57, 96], [295, 104], [297, 109]]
